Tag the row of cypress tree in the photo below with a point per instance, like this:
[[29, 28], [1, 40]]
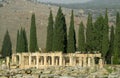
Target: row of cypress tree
[[96, 37], [22, 43]]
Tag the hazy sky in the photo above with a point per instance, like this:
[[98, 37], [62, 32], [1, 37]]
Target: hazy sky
[[65, 1]]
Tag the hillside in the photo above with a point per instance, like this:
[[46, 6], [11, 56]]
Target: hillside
[[17, 13], [95, 4]]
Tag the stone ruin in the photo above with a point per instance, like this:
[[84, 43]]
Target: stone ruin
[[43, 60]]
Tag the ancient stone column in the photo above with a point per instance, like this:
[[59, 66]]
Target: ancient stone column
[[14, 60], [37, 61], [71, 61], [56, 61], [22, 61], [100, 63], [60, 60], [80, 61], [45, 61], [29, 60], [84, 62], [63, 61], [7, 61], [53, 61], [89, 62], [93, 62]]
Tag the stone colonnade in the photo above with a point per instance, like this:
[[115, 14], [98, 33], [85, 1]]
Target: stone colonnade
[[42, 60]]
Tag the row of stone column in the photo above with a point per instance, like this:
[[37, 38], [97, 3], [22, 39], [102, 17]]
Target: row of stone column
[[53, 61], [58, 60]]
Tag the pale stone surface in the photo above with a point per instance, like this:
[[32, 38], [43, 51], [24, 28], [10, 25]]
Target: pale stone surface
[[43, 60], [62, 72]]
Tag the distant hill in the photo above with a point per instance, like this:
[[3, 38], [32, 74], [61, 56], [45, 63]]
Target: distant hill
[[95, 4], [17, 13]]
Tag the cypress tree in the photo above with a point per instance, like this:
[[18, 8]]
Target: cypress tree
[[33, 37], [6, 46], [64, 35], [17, 43], [49, 41], [22, 44], [98, 27], [81, 38], [60, 33], [25, 41], [105, 40], [71, 36], [90, 34], [109, 54], [116, 55]]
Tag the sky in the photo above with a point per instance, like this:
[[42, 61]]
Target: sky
[[65, 1]]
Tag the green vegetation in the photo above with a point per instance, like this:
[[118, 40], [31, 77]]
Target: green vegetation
[[96, 37], [71, 36], [98, 25], [60, 33], [90, 34], [6, 46], [81, 38], [33, 36], [49, 41], [22, 44], [105, 39], [116, 54], [111, 47]]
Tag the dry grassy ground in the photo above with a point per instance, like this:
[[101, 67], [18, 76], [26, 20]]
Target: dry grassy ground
[[17, 14]]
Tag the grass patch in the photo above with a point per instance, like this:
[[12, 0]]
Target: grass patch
[[109, 69]]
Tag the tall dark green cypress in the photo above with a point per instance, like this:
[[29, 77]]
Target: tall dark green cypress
[[98, 28], [110, 52], [105, 40], [49, 41], [90, 34], [6, 46], [17, 42], [64, 35], [81, 38], [116, 55], [33, 36], [71, 36], [60, 32], [22, 44], [25, 41]]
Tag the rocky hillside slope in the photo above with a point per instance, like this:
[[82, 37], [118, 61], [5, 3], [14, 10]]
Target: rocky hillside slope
[[17, 13]]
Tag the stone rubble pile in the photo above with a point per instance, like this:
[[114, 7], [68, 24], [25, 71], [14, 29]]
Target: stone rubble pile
[[58, 72]]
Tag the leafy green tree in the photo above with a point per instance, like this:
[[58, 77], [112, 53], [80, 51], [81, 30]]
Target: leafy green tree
[[105, 40], [60, 32], [33, 36], [81, 38], [49, 41], [6, 46], [90, 34], [71, 36], [116, 55], [110, 52]]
